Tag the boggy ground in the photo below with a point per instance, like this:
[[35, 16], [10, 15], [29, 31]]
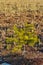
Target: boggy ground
[[20, 60], [30, 57]]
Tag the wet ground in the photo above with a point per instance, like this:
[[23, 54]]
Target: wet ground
[[19, 60]]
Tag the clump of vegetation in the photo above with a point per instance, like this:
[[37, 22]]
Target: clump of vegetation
[[24, 35]]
